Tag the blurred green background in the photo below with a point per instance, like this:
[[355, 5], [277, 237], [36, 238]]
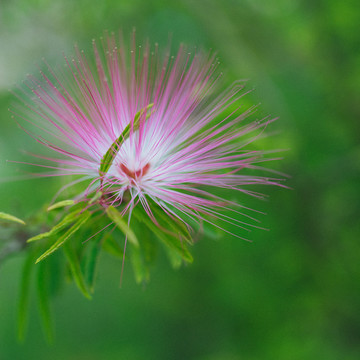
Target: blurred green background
[[294, 292]]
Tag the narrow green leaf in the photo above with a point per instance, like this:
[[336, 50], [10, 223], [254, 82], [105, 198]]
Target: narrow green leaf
[[176, 226], [116, 217], [96, 197], [112, 247], [173, 243], [110, 155], [23, 308], [92, 263], [56, 267], [140, 270], [75, 268], [61, 204], [139, 114], [82, 219], [44, 300], [147, 243], [169, 240], [174, 258], [67, 220], [8, 217]]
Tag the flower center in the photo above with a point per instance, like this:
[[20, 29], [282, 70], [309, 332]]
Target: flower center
[[134, 175]]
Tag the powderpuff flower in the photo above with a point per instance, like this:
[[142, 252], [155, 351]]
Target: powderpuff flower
[[144, 127]]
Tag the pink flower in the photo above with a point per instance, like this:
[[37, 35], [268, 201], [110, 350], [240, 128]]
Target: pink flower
[[185, 138]]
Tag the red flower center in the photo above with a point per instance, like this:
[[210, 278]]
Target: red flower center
[[135, 174]]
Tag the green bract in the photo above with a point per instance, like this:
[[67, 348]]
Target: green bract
[[110, 155], [12, 218]]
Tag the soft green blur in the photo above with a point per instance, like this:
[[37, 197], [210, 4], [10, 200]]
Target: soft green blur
[[294, 292]]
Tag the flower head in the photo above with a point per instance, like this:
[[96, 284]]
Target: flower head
[[146, 128]]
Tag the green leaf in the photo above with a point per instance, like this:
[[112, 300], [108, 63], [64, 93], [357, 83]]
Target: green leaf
[[61, 204], [92, 262], [176, 226], [67, 220], [96, 197], [167, 239], [56, 267], [112, 247], [110, 155], [23, 308], [82, 219], [116, 217], [140, 269], [8, 217], [44, 302], [174, 258], [75, 268], [173, 243], [148, 244]]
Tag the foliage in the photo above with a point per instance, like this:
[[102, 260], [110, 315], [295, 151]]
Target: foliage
[[75, 221]]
